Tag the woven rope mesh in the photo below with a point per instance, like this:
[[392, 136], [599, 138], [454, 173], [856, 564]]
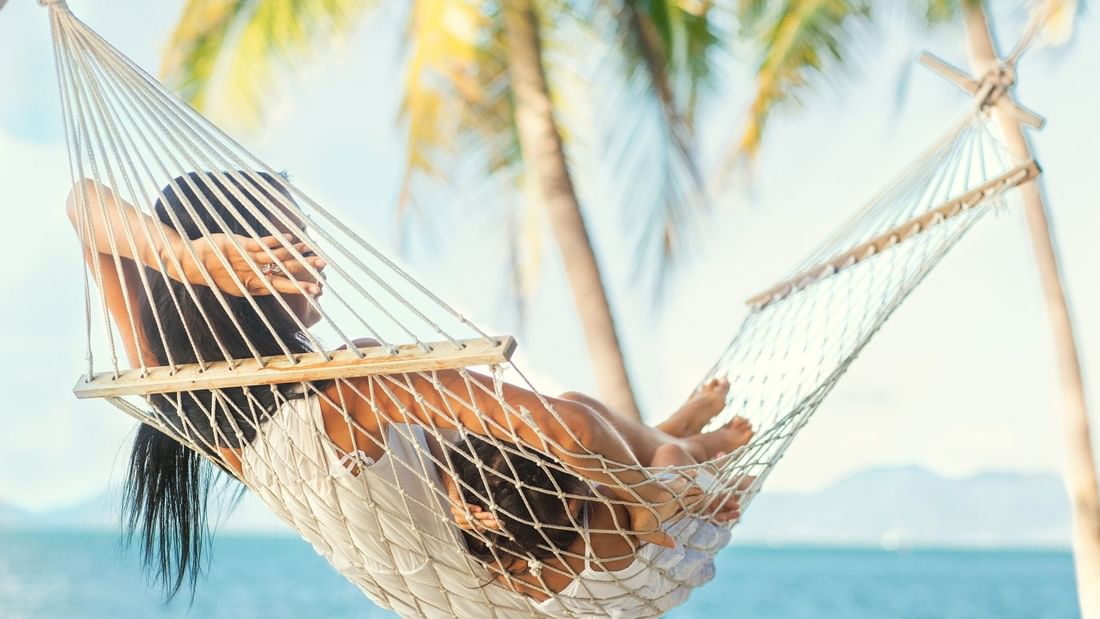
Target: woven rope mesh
[[369, 447]]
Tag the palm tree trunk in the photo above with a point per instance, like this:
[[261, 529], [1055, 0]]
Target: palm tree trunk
[[1080, 472], [544, 156]]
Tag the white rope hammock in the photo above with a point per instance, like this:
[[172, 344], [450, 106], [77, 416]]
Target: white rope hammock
[[287, 413]]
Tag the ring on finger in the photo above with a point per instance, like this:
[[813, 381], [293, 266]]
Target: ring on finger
[[271, 268]]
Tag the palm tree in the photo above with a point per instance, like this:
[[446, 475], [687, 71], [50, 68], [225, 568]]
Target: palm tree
[[796, 37], [480, 101]]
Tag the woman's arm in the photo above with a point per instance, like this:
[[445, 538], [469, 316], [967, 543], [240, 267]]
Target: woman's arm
[[118, 239], [101, 222], [580, 438], [585, 442], [106, 220]]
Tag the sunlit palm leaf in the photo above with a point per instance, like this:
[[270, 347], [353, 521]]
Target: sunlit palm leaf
[[456, 94], [460, 133], [442, 51], [1059, 17], [654, 53], [795, 39], [936, 12], [238, 47], [456, 100], [664, 60], [189, 63]]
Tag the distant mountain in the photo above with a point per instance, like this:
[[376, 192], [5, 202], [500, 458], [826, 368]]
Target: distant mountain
[[99, 512], [11, 516], [252, 516], [890, 506], [102, 513], [912, 506]]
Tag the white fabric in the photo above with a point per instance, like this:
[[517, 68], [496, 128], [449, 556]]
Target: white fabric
[[394, 537], [383, 529], [658, 580]]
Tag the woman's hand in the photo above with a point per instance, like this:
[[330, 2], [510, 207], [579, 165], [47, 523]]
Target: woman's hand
[[653, 503], [659, 504], [470, 517], [284, 269], [664, 497]]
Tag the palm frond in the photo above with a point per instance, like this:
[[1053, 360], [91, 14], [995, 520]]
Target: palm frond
[[935, 12], [438, 63], [1058, 17], [231, 51], [455, 105], [662, 66], [189, 63], [652, 31], [461, 140], [794, 39]]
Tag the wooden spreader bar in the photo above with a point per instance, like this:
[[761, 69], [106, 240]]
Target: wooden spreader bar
[[897, 234], [309, 367]]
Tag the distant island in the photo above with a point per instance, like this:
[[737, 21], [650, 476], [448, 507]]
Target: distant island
[[891, 507], [908, 506]]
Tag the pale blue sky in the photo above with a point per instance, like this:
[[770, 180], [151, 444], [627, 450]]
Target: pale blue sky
[[961, 379]]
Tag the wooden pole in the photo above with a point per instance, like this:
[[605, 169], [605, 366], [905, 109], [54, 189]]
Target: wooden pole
[[1080, 471]]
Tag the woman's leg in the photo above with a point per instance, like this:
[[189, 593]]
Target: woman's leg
[[677, 440], [672, 454], [687, 421], [702, 406]]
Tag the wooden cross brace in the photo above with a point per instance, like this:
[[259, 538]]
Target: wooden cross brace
[[987, 91]]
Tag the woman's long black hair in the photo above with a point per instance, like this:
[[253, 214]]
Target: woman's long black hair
[[165, 497], [519, 490]]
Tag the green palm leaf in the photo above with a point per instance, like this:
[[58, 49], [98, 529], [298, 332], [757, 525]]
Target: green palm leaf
[[456, 100], [236, 48], [190, 60], [664, 61], [794, 40]]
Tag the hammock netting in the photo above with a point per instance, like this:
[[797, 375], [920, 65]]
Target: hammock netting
[[283, 417]]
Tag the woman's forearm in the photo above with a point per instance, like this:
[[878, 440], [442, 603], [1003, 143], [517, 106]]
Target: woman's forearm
[[110, 226]]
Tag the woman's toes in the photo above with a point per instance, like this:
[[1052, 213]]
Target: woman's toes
[[717, 393], [739, 432]]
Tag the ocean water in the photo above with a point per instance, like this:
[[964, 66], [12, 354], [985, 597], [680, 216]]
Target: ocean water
[[79, 575]]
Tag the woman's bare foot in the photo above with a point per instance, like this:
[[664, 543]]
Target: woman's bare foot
[[737, 433], [699, 409]]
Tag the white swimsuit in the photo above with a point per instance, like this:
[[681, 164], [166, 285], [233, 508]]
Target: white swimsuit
[[658, 580], [393, 536]]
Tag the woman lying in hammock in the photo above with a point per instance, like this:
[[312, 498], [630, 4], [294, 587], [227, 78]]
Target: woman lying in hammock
[[183, 319]]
